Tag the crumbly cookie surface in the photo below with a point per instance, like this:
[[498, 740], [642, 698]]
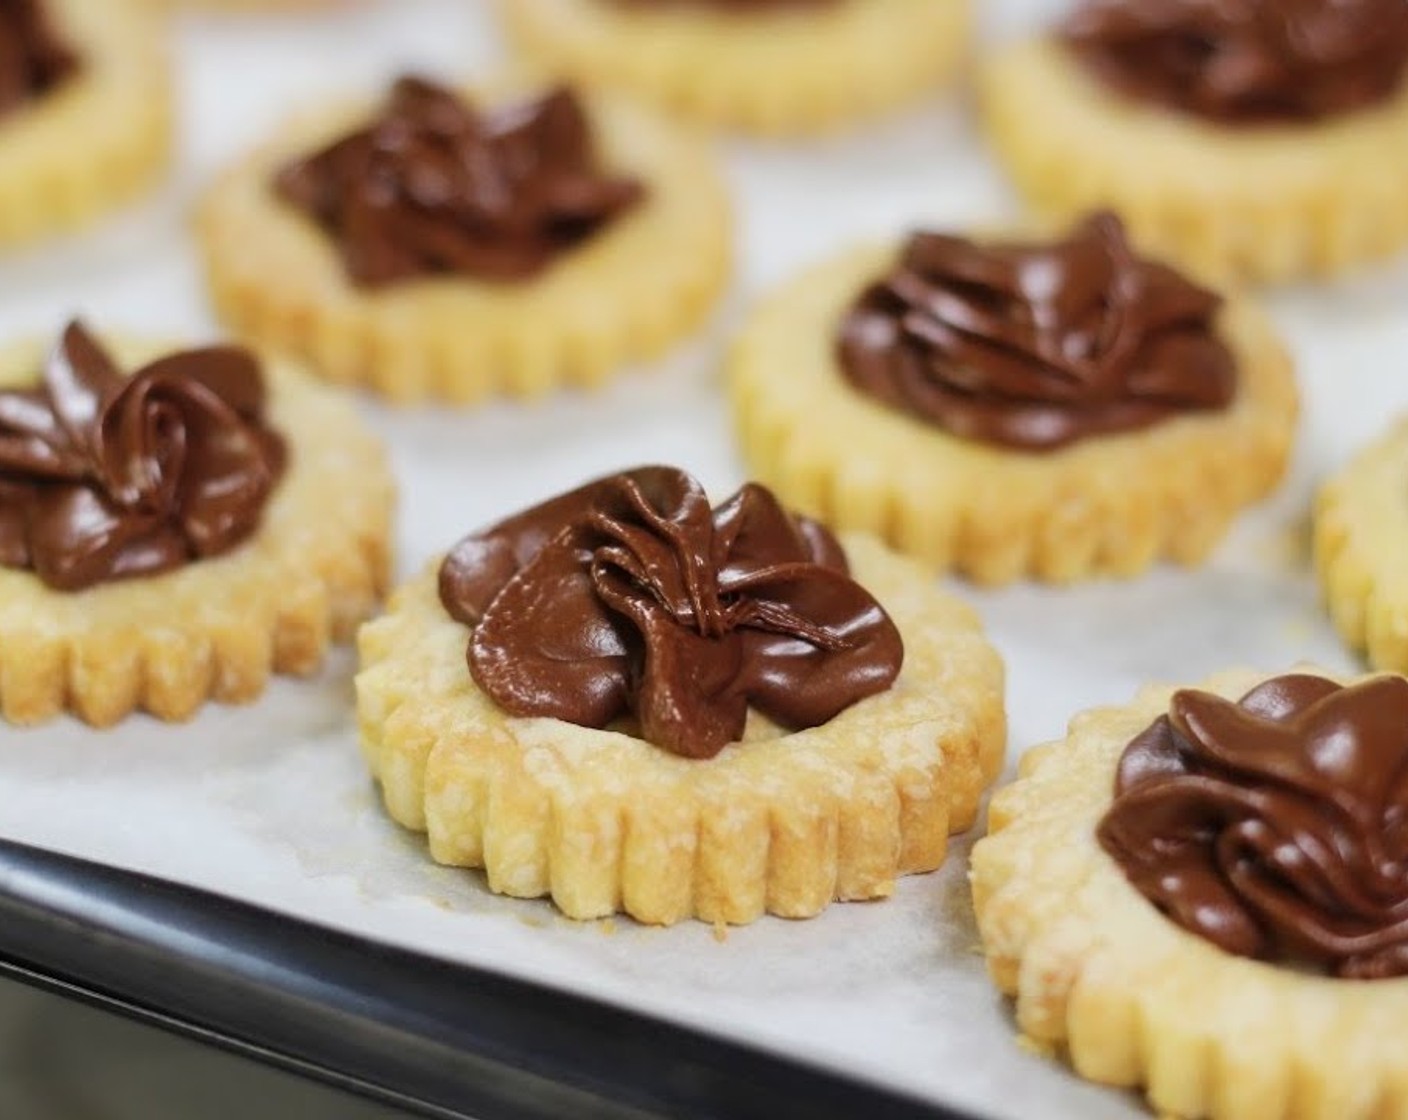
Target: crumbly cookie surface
[[218, 628], [782, 823], [1229, 202], [1133, 999], [774, 72], [1110, 505], [626, 295], [1361, 550], [97, 140]]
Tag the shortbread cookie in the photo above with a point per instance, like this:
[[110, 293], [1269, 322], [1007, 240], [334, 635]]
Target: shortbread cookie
[[428, 248], [176, 527], [630, 702], [253, 5], [1055, 409], [1361, 541], [1207, 897], [776, 67], [1243, 139], [85, 113]]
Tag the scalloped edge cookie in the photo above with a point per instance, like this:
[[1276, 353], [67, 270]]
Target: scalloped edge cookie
[[99, 139], [1111, 505], [317, 566], [1135, 1000], [604, 822], [1262, 204], [771, 73], [1361, 550], [628, 294]]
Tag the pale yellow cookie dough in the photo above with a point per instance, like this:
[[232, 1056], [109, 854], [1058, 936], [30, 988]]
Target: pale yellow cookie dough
[[215, 629], [605, 822], [1109, 505], [1132, 998], [97, 139], [1228, 201], [1361, 550], [773, 72], [643, 283]]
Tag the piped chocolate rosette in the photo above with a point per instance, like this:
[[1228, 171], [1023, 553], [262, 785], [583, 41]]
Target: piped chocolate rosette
[[721, 682], [1053, 407], [1246, 61], [1206, 893], [434, 186], [630, 595], [1034, 346], [106, 475], [34, 58], [1275, 827], [175, 526]]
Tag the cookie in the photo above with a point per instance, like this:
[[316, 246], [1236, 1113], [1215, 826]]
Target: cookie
[[595, 237], [767, 67], [175, 527], [86, 123], [581, 703], [1360, 535], [1179, 845], [1059, 408], [1272, 153]]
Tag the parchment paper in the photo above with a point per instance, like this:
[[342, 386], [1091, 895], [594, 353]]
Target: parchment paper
[[271, 802]]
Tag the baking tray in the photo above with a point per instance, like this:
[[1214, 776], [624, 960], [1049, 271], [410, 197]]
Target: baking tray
[[457, 998], [435, 1038]]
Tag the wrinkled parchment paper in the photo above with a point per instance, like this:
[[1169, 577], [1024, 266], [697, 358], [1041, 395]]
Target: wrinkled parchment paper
[[271, 803]]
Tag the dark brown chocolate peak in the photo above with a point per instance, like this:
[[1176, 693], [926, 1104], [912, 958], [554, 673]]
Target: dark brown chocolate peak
[[33, 57], [433, 186], [1036, 346], [105, 477], [1248, 61], [631, 596], [1276, 827]]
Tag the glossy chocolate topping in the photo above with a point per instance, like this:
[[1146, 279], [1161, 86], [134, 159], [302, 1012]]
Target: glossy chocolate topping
[[33, 58], [1036, 346], [1246, 60], [631, 596], [433, 186], [1276, 827], [105, 477]]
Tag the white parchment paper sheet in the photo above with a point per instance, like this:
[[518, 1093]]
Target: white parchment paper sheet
[[271, 803]]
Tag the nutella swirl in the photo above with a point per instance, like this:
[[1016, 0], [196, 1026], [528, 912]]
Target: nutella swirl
[[106, 477], [1246, 61], [1276, 827], [1036, 346], [33, 57], [630, 596], [434, 187]]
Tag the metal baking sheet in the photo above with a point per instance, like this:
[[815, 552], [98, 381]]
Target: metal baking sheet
[[271, 803]]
